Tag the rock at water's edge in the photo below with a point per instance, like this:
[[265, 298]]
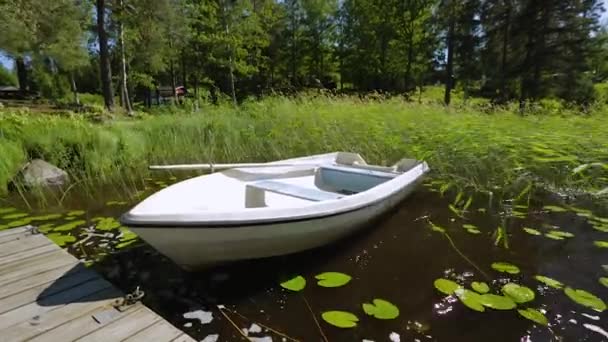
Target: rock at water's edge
[[40, 173]]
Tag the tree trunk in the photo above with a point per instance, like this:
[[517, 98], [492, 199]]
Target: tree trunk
[[22, 74], [410, 60], [505, 46], [104, 57], [449, 70], [124, 88], [230, 57], [74, 89]]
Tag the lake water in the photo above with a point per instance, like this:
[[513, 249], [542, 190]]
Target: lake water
[[396, 259]]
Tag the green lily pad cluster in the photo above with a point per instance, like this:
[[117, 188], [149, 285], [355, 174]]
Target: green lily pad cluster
[[61, 239], [479, 299], [378, 308]]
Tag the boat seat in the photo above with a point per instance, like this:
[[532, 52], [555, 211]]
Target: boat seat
[[345, 179], [255, 193]]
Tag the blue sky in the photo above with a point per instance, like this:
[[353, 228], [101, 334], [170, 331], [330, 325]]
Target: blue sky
[[7, 62]]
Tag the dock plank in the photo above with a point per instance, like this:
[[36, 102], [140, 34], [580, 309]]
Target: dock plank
[[37, 325], [22, 244], [161, 330], [48, 295], [124, 327], [45, 290]]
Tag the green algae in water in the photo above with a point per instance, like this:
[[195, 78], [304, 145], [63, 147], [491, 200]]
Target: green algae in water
[[381, 309], [446, 286], [340, 319], [520, 294], [480, 287], [549, 282], [532, 231], [60, 239], [296, 284], [14, 216], [505, 267], [585, 298], [70, 226], [534, 315], [332, 279]]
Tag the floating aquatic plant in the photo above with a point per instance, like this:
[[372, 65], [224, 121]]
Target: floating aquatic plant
[[554, 208], [520, 294], [549, 282], [585, 298], [532, 231], [106, 223], [480, 287], [497, 302], [446, 286], [61, 239], [340, 319], [505, 267], [76, 213], [332, 279], [603, 281], [470, 299], [46, 217], [69, 226], [601, 244], [14, 216], [296, 284], [471, 228], [381, 309], [534, 315], [554, 237], [7, 210]]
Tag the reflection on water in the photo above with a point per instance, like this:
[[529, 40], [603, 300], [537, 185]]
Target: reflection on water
[[397, 259]]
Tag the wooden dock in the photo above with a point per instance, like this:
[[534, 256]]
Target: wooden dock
[[48, 295]]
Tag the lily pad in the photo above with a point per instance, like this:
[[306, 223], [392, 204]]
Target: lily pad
[[437, 228], [115, 203], [554, 208], [469, 226], [45, 228], [340, 319], [126, 234], [60, 239], [76, 213], [549, 282], [480, 287], [497, 302], [532, 231], [561, 233], [534, 315], [604, 281], [70, 226], [296, 284], [505, 267], [7, 210], [473, 231], [520, 294], [470, 299], [14, 216], [381, 309], [46, 217], [600, 227], [446, 286], [601, 244], [585, 298], [554, 237], [107, 223], [125, 244], [332, 279], [18, 223]]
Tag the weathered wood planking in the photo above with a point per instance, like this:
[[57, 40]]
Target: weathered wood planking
[[47, 295]]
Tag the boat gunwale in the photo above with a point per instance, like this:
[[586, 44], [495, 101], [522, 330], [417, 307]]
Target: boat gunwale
[[422, 168]]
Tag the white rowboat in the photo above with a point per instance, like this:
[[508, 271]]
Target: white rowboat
[[278, 208]]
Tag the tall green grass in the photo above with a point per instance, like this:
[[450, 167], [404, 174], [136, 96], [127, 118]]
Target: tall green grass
[[500, 152]]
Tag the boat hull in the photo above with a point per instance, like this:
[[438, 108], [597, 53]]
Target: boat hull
[[197, 247]]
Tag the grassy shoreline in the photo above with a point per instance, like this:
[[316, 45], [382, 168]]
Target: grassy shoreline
[[502, 152]]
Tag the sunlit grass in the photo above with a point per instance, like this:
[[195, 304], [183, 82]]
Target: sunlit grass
[[501, 152]]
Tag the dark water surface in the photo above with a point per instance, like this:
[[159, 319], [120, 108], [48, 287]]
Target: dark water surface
[[397, 259]]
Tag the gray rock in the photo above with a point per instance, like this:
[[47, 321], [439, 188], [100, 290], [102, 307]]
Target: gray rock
[[40, 173]]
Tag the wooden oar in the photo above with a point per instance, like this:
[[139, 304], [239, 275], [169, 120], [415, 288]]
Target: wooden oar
[[215, 167]]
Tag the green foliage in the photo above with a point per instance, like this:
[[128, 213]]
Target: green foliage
[[585, 298], [333, 279], [549, 282], [340, 319], [446, 286], [520, 294], [381, 309], [505, 267], [480, 287], [534, 315], [7, 77]]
